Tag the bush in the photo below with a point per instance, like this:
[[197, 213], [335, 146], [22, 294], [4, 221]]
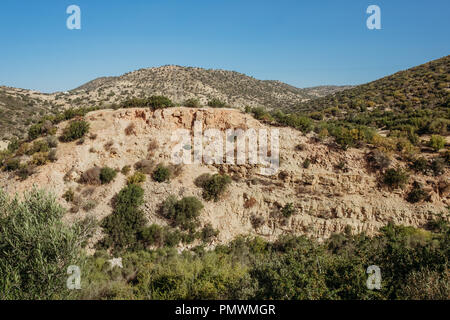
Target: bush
[[37, 247], [192, 103], [288, 210], [76, 130], [136, 178], [378, 160], [417, 193], [395, 178], [152, 235], [182, 212], [214, 186], [145, 166], [69, 195], [306, 163], [131, 129], [216, 103], [161, 173], [107, 175], [91, 176], [153, 102], [12, 164], [208, 233], [34, 131], [127, 220], [40, 158], [420, 165], [52, 141], [438, 166], [126, 170], [436, 142]]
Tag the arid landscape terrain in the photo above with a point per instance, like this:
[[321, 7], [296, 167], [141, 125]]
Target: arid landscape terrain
[[355, 162]]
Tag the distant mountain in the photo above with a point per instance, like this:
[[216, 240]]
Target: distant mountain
[[19, 107], [182, 83]]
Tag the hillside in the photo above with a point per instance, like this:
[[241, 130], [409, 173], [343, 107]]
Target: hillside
[[182, 83], [326, 196], [418, 98], [20, 107]]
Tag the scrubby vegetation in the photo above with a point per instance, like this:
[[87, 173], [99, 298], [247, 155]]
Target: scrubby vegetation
[[182, 213], [161, 173], [153, 102], [213, 185], [76, 130], [36, 247], [290, 268], [107, 175], [127, 219]]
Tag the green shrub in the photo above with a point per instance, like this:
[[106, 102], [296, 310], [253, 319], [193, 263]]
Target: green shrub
[[37, 247], [69, 195], [417, 193], [153, 102], [152, 235], [420, 165], [438, 166], [395, 178], [214, 186], [216, 103], [136, 178], [161, 173], [208, 233], [436, 142], [306, 163], [182, 212], [12, 164], [126, 170], [76, 130], [40, 158], [34, 131], [192, 103], [288, 210], [127, 220], [107, 175]]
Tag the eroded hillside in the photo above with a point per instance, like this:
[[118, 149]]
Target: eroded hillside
[[335, 191]]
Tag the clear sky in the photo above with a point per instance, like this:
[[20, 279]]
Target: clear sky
[[303, 43]]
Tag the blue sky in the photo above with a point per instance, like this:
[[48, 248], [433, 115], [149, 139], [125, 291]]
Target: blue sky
[[303, 43]]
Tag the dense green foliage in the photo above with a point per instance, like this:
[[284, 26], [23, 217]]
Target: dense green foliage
[[36, 247], [413, 264], [127, 219]]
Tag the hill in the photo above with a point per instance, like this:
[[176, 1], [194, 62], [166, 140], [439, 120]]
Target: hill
[[417, 99], [20, 107]]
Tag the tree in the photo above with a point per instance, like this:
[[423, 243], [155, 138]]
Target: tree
[[36, 247]]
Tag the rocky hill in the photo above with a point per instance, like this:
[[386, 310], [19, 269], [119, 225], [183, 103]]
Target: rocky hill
[[20, 107], [335, 191], [418, 97]]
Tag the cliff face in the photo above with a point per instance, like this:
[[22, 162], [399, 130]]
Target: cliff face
[[335, 191]]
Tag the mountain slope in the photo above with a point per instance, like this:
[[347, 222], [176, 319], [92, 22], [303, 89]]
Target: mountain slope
[[19, 107], [419, 97], [182, 83]]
